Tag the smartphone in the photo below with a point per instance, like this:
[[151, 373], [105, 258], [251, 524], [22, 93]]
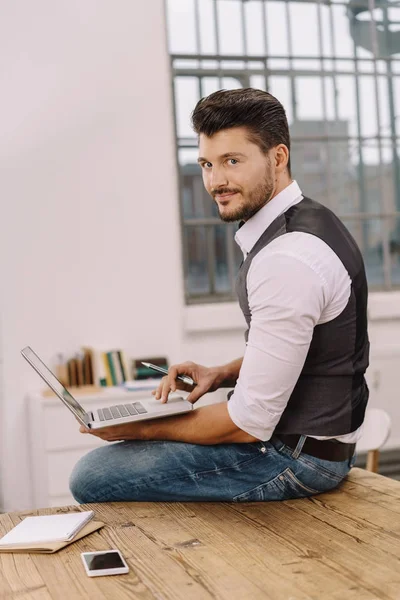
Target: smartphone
[[105, 562]]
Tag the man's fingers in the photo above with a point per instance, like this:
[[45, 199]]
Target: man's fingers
[[166, 389], [158, 392], [195, 394], [170, 383]]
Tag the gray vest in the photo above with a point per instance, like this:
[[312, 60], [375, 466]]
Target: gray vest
[[331, 394]]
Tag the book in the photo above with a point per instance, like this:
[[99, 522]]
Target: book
[[50, 547], [36, 531], [121, 364], [111, 367], [107, 369], [88, 366], [119, 377], [127, 369], [79, 369], [72, 372], [99, 371]]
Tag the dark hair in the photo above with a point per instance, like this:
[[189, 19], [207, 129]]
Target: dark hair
[[259, 111]]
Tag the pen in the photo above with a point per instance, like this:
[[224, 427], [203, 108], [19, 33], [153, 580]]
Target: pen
[[185, 378]]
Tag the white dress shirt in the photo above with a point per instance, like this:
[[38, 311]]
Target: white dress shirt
[[294, 283]]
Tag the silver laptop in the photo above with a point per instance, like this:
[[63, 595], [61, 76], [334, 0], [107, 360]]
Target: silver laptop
[[139, 410]]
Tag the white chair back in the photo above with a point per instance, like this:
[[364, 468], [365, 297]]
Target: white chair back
[[376, 430]]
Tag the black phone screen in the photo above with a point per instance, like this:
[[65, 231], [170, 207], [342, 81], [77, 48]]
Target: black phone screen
[[109, 560]]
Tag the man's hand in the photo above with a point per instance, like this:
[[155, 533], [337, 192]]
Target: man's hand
[[116, 433], [207, 379]]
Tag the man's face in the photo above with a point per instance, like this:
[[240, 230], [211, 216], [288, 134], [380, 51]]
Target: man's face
[[236, 173]]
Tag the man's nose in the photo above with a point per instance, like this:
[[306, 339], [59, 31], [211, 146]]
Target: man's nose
[[218, 178]]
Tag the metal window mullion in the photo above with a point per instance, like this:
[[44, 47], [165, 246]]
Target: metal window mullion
[[290, 47], [217, 44], [186, 143], [334, 61], [383, 204], [197, 36], [184, 232], [238, 73], [265, 38], [332, 199], [392, 112], [244, 35], [340, 184], [361, 170], [210, 244], [230, 253], [261, 57], [202, 221]]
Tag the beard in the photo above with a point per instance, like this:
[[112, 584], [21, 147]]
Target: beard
[[254, 200]]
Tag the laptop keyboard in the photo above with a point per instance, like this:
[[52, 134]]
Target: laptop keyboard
[[121, 410]]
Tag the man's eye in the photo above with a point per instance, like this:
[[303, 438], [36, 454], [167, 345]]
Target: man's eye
[[233, 161], [207, 165]]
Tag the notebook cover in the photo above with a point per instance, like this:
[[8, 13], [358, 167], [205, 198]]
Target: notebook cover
[[49, 548], [43, 529]]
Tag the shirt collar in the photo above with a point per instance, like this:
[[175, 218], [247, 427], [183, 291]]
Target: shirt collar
[[252, 229]]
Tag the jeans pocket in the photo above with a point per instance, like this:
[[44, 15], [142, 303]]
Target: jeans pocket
[[285, 486]]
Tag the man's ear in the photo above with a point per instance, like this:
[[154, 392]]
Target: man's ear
[[281, 158]]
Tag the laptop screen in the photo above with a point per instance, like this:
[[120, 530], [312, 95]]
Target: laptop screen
[[53, 383]]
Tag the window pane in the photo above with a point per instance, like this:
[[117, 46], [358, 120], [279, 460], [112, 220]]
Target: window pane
[[254, 28], [394, 249], [209, 85], [309, 98], [277, 34], [368, 107], [207, 27], [396, 101], [343, 40], [280, 87], [323, 170], [181, 26], [258, 81], [327, 41], [222, 280], [229, 21], [383, 95], [196, 202], [304, 15], [347, 105], [197, 279], [186, 97]]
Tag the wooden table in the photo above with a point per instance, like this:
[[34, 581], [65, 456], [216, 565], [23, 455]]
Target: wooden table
[[343, 545]]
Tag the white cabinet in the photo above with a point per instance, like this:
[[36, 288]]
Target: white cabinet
[[55, 444]]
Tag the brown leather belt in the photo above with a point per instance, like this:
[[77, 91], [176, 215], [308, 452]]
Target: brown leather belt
[[324, 449]]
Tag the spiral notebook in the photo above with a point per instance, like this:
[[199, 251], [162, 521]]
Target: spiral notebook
[[46, 529]]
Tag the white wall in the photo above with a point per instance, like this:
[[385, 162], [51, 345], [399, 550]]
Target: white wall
[[89, 234], [89, 229]]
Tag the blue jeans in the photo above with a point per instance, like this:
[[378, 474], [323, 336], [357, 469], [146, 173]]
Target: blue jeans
[[175, 471]]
